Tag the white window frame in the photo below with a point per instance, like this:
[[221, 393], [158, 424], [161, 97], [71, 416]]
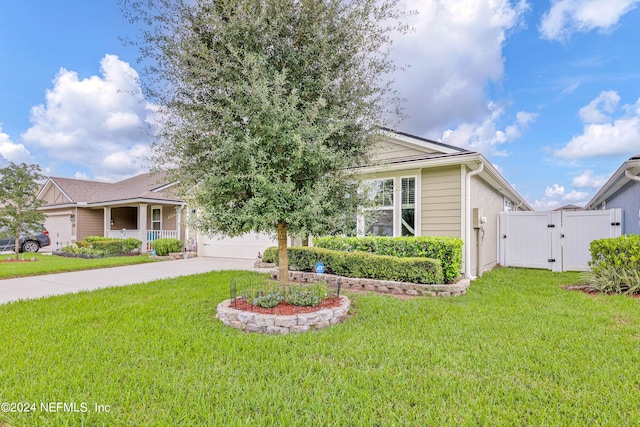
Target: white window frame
[[152, 220], [397, 201]]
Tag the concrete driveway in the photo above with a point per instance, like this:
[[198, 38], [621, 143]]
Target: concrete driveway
[[87, 280]]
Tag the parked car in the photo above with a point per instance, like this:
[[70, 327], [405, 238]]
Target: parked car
[[30, 241]]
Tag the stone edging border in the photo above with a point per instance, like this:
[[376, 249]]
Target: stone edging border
[[277, 324], [382, 286]]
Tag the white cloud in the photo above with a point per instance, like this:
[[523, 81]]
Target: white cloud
[[12, 152], [594, 112], [95, 120], [545, 204], [486, 136], [614, 137], [587, 180], [567, 17], [80, 175], [455, 51], [556, 196], [554, 191], [576, 196]]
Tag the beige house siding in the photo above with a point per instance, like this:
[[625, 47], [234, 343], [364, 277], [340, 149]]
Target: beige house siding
[[54, 196], [441, 199], [389, 151], [491, 203], [124, 217], [89, 222], [169, 216]]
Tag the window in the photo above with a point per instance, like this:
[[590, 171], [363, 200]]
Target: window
[[508, 205], [392, 216], [408, 207], [379, 221], [156, 218]]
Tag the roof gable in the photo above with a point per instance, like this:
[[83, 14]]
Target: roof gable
[[144, 186]]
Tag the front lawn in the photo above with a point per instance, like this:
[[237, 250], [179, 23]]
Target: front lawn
[[518, 349], [46, 264]]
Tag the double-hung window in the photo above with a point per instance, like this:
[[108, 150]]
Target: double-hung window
[[394, 211], [156, 218]]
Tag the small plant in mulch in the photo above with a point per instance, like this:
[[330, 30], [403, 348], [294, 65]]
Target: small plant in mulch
[[254, 292]]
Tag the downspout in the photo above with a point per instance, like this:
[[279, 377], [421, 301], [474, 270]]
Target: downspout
[[467, 228], [630, 176]]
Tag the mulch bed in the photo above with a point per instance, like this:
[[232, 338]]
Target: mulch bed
[[284, 308], [20, 260]]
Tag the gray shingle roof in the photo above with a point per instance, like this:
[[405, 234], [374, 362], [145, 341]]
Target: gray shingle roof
[[140, 186]]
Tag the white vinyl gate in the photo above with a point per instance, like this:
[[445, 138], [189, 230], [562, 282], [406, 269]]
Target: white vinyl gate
[[555, 240]]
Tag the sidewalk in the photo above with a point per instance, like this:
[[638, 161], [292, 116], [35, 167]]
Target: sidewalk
[[87, 280]]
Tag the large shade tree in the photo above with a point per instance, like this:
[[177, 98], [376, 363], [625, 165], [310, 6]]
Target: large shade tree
[[19, 203], [267, 106]]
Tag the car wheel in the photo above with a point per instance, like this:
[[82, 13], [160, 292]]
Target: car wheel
[[30, 247]]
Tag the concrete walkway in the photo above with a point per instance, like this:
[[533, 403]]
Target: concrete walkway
[[87, 280]]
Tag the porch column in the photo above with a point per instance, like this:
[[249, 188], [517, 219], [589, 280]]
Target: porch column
[[142, 225], [179, 222], [107, 221]]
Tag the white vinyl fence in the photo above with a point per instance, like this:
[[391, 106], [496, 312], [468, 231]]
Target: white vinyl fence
[[554, 240]]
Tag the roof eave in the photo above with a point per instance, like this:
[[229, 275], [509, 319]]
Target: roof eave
[[615, 183]]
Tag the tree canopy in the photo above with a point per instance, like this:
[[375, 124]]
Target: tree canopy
[[18, 200], [267, 106]]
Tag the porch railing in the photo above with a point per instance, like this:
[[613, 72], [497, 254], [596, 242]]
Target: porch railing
[[146, 236], [160, 234]]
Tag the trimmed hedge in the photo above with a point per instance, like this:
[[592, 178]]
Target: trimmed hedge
[[165, 246], [615, 264], [98, 246], [110, 246], [270, 255], [367, 265], [618, 252], [446, 249]]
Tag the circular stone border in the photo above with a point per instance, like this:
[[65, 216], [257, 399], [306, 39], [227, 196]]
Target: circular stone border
[[278, 324]]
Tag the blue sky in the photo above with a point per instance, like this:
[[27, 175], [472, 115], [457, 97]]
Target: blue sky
[[547, 90]]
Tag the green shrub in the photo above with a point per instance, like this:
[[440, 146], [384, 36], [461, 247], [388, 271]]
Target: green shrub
[[613, 280], [619, 252], [307, 294], [261, 292], [97, 246], [367, 265], [270, 255], [165, 246], [446, 249], [614, 265]]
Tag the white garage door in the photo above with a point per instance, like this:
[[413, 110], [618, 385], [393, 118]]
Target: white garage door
[[246, 246], [59, 228]]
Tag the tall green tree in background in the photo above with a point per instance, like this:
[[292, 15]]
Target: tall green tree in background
[[267, 106], [18, 200]]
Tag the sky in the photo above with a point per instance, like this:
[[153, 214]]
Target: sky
[[547, 90]]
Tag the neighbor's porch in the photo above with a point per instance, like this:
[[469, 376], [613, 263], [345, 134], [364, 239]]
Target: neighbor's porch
[[144, 222]]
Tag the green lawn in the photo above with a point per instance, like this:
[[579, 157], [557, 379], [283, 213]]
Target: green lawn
[[517, 350], [46, 264]]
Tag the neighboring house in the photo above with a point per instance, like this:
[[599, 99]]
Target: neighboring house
[[142, 207], [426, 188], [622, 191], [572, 208]]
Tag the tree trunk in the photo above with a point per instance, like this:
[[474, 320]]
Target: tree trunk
[[283, 257], [17, 246], [16, 243]]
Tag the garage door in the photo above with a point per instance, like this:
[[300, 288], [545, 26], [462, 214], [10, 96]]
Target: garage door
[[59, 228], [246, 246]]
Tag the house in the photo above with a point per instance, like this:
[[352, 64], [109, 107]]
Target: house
[[424, 188], [142, 207], [427, 188], [622, 191]]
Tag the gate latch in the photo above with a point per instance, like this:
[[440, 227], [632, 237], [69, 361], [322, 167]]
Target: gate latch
[[551, 225], [552, 260]]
